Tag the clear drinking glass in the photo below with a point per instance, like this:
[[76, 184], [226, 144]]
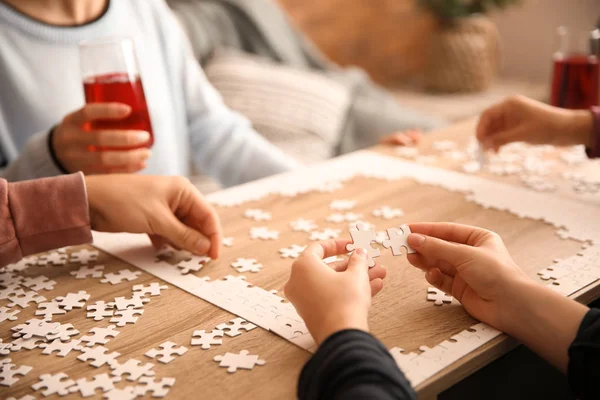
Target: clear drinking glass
[[110, 74]]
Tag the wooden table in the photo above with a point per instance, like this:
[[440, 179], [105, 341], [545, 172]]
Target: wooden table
[[400, 315]]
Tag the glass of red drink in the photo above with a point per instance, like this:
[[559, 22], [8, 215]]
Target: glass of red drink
[[576, 74], [111, 75]]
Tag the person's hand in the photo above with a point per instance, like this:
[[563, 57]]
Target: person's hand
[[333, 297], [170, 209], [520, 119], [471, 264], [406, 138], [72, 143]]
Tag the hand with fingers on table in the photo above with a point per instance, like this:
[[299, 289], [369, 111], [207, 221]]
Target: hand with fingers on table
[[79, 149], [337, 296], [473, 265], [520, 119]]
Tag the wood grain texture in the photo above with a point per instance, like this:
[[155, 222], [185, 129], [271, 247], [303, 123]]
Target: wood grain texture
[[400, 315], [385, 37]]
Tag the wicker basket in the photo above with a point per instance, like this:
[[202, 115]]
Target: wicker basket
[[463, 56]]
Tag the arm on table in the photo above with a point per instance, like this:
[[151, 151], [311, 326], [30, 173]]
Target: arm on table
[[42, 214], [352, 364]]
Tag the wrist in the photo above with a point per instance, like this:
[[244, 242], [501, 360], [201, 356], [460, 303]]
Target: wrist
[[580, 128], [339, 322], [52, 150]]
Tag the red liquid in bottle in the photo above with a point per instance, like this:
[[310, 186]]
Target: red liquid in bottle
[[118, 88], [575, 82]]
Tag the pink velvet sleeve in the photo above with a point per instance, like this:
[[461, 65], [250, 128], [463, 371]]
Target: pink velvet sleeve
[[41, 215]]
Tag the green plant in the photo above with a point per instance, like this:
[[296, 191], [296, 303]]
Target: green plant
[[452, 9]]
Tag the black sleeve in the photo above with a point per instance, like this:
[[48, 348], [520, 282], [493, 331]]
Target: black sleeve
[[584, 358], [352, 364]]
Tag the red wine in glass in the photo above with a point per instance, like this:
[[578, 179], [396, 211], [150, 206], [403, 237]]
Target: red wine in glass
[[111, 74], [575, 82], [118, 88]]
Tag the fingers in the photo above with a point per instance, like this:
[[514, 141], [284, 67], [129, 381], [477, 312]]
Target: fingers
[[423, 263], [439, 280], [489, 121], [104, 160], [183, 236], [439, 249], [376, 286], [197, 213], [358, 263], [96, 111], [407, 138], [377, 272], [451, 232], [116, 138], [326, 249]]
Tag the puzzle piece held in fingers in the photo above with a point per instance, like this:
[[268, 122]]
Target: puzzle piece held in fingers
[[362, 238]]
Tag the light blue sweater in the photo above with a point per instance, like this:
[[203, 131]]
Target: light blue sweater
[[40, 82]]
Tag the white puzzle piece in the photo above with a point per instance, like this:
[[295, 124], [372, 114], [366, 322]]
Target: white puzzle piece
[[293, 251], [84, 256], [154, 289], [158, 388], [397, 240], [10, 371], [127, 393], [8, 314], [100, 310], [303, 225], [207, 339], [325, 234], [73, 300], [194, 264], [62, 348], [123, 303], [228, 241], [257, 215], [387, 212], [88, 388], [233, 327], [54, 384], [233, 361], [438, 297], [38, 283], [55, 258], [363, 238], [342, 205], [127, 316], [121, 276], [63, 332], [24, 298], [246, 265], [99, 356], [35, 328], [133, 369], [48, 310], [263, 233], [87, 272], [164, 353], [100, 335]]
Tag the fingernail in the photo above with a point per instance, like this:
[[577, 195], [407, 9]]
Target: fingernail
[[202, 245], [142, 137], [124, 108], [361, 252], [416, 240], [145, 154]]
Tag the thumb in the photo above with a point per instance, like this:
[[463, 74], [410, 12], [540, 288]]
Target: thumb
[[434, 248], [184, 236], [358, 264]]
